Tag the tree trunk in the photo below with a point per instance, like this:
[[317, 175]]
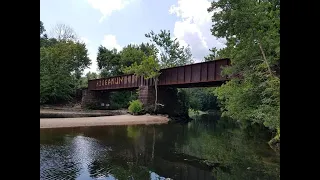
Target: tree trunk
[[153, 143], [265, 59], [156, 88]]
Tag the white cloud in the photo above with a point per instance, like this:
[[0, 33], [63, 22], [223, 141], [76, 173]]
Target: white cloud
[[192, 10], [110, 41], [193, 27], [92, 54], [107, 7], [84, 40]]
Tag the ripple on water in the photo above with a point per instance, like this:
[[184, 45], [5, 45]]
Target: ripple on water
[[69, 159]]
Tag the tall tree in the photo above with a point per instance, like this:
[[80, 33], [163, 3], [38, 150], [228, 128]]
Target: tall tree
[[148, 49], [63, 32], [59, 66], [43, 36], [112, 62], [131, 54], [149, 69], [171, 53], [42, 29], [92, 75], [108, 62], [252, 31]]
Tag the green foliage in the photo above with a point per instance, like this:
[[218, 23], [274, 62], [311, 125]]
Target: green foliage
[[42, 29], [141, 59], [135, 53], [149, 68], [61, 65], [202, 99], [252, 31], [108, 61], [121, 99], [112, 62], [171, 53], [92, 75], [183, 102], [238, 153], [193, 112], [135, 107]]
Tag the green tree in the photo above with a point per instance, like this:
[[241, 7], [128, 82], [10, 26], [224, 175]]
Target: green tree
[[108, 62], [92, 75], [171, 53], [83, 80], [42, 29], [131, 54], [213, 55], [43, 35], [148, 49], [149, 68], [202, 99], [252, 31], [58, 66], [112, 62]]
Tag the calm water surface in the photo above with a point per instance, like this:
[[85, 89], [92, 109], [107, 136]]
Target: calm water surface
[[207, 148]]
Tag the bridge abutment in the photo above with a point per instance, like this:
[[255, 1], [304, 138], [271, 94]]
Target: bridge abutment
[[95, 99]]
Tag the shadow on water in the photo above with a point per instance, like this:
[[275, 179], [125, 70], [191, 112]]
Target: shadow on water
[[206, 148]]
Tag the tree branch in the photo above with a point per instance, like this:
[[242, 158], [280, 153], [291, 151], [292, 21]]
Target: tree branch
[[265, 59]]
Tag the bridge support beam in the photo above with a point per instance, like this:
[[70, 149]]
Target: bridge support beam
[[147, 97], [95, 99], [171, 101]]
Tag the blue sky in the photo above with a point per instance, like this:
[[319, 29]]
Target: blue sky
[[117, 23]]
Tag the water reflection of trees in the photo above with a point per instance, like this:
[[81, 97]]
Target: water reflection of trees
[[128, 156], [206, 148], [246, 155], [146, 151]]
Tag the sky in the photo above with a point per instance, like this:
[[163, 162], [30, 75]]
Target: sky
[[117, 23]]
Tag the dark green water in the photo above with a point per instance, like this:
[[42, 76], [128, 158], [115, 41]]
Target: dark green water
[[207, 148]]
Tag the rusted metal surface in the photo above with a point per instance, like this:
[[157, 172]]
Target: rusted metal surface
[[199, 74]]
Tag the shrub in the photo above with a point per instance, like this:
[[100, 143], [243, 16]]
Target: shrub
[[135, 107]]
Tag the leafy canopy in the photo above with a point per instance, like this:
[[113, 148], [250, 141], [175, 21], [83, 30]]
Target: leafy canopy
[[171, 53], [61, 65], [148, 68], [252, 31]]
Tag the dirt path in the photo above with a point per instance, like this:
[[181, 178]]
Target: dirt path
[[101, 121]]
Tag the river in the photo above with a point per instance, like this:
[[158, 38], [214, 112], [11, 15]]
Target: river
[[207, 148]]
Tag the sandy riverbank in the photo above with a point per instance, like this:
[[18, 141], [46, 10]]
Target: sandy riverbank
[[76, 113], [101, 121]]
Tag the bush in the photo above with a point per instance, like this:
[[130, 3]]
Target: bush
[[135, 107]]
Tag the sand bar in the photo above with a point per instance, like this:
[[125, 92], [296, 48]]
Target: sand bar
[[102, 121]]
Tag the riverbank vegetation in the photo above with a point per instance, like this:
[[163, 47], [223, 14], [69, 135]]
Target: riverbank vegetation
[[251, 30], [62, 61], [135, 107]]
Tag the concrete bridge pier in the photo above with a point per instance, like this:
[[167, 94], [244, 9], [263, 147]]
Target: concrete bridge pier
[[95, 99], [172, 102], [147, 97]]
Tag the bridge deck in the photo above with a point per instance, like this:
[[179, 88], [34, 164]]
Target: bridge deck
[[193, 75]]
